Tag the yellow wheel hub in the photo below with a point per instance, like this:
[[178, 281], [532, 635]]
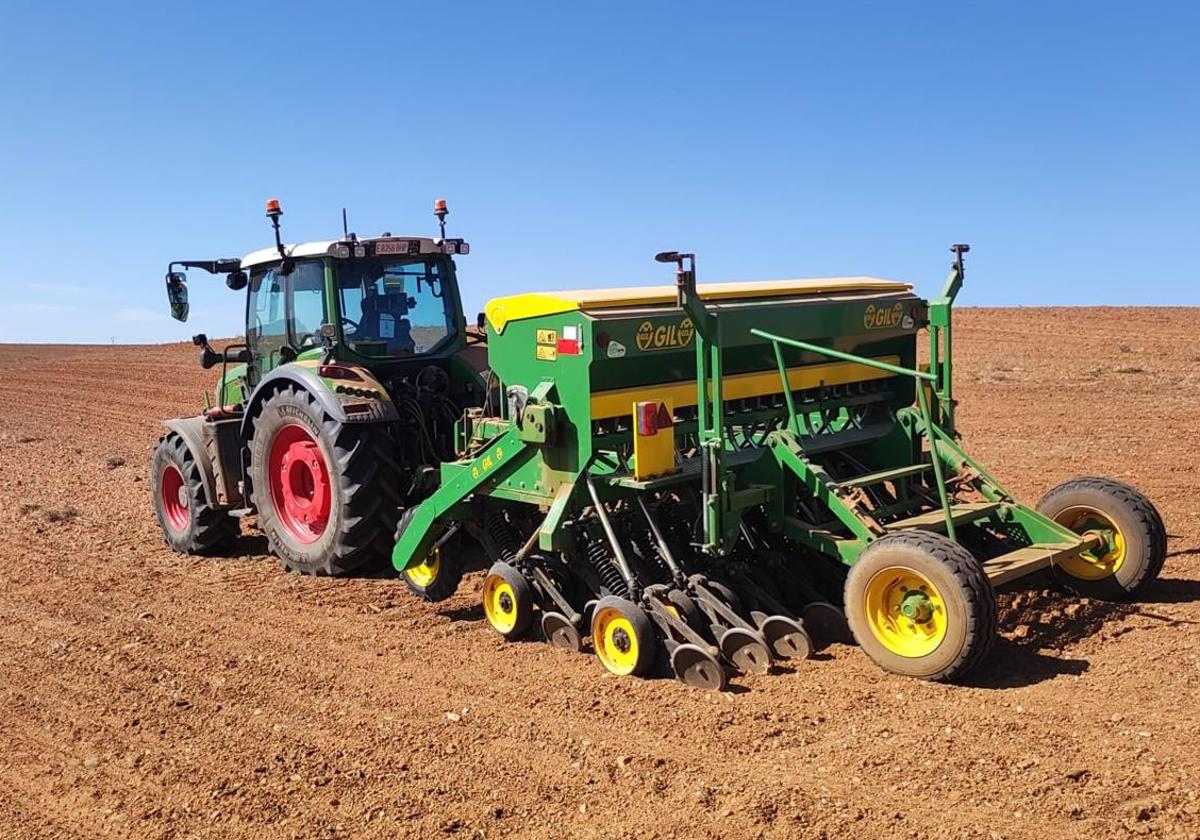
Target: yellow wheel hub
[[615, 641], [905, 612], [500, 604], [426, 573], [1098, 563]]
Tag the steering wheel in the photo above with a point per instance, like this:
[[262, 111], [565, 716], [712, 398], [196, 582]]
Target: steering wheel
[[346, 320]]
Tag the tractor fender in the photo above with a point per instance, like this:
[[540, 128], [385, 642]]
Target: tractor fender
[[304, 375], [191, 430]]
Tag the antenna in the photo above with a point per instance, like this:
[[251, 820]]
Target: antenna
[[345, 227]]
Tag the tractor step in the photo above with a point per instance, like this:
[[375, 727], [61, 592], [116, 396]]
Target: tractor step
[[1025, 561], [935, 520], [883, 475], [241, 513]]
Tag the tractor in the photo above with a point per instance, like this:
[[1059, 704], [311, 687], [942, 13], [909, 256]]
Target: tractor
[[333, 413]]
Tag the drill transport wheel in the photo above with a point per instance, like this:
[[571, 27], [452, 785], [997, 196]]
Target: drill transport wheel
[[786, 638], [507, 601], [920, 605], [436, 577], [698, 668], [745, 650], [560, 632], [1134, 540], [623, 637]]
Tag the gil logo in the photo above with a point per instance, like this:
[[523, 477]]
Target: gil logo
[[878, 318], [651, 336]]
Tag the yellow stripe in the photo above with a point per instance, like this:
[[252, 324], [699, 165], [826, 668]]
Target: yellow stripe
[[739, 386]]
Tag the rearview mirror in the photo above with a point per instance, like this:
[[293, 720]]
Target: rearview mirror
[[237, 281], [177, 295]]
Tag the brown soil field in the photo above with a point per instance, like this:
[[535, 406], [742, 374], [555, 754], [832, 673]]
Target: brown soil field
[[145, 694]]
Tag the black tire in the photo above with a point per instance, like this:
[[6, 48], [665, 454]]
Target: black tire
[[968, 606], [363, 483], [437, 578], [623, 637], [1136, 520], [507, 601], [205, 528]]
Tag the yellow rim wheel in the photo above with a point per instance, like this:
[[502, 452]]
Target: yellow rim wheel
[[1101, 562], [615, 641], [499, 604], [426, 573], [905, 612]]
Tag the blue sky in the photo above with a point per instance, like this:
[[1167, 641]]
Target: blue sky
[[574, 140]]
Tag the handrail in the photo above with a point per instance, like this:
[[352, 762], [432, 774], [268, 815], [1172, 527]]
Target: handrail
[[845, 357], [922, 401]]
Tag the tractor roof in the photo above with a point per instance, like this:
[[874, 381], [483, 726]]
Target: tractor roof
[[326, 248], [534, 304]]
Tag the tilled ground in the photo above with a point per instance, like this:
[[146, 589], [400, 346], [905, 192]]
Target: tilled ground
[[150, 695]]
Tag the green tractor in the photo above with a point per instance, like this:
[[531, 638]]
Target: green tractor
[[333, 414]]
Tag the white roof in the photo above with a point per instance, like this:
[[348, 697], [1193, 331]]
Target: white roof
[[324, 248]]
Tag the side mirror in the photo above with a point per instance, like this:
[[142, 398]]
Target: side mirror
[[177, 295], [480, 320], [237, 280]]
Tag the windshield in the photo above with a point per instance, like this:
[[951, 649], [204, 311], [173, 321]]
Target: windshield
[[393, 307]]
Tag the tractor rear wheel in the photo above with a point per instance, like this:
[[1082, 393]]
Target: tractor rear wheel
[[1134, 540], [190, 525], [919, 604], [326, 492]]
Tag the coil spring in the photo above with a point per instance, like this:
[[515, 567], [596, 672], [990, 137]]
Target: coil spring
[[648, 551], [503, 535], [610, 576]]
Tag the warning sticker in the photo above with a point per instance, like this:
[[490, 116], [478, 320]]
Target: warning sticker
[[547, 336], [546, 353]]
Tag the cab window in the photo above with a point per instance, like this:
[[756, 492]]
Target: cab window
[[393, 307]]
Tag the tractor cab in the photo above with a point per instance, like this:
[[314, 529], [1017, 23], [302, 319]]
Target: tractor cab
[[387, 302]]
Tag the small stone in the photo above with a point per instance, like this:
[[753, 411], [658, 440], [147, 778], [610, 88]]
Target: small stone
[[453, 717], [91, 761], [623, 761], [583, 807]]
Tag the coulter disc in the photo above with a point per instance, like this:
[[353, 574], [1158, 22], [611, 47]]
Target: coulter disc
[[560, 632], [787, 638], [745, 650], [697, 668], [826, 622]]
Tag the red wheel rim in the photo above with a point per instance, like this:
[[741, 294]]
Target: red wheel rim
[[300, 490], [174, 498]]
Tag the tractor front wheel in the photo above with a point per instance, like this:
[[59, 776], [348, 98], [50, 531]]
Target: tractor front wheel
[[1132, 541], [190, 525], [326, 492], [919, 604]]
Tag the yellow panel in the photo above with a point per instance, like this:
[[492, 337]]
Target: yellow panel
[[739, 386], [535, 304], [653, 455], [515, 307]]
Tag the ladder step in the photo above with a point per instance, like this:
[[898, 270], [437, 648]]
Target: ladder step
[[935, 520], [1025, 561], [883, 475]]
